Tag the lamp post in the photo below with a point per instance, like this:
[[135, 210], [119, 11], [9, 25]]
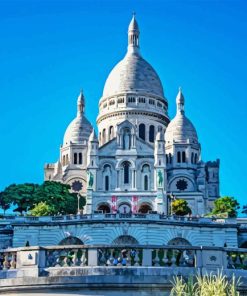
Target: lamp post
[[78, 204]]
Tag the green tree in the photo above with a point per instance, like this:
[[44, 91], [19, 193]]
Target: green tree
[[58, 197], [21, 195], [49, 198], [43, 209], [5, 203], [180, 207], [227, 206]]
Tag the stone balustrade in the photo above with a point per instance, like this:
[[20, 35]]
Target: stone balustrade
[[118, 216], [124, 256], [131, 265], [8, 260]]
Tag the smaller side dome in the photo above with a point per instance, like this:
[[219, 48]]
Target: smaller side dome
[[80, 128], [180, 129]]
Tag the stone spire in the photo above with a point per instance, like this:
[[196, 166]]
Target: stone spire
[[180, 102], [133, 35], [80, 104]]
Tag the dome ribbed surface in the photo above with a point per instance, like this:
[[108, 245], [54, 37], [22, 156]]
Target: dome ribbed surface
[[78, 131], [133, 73], [181, 130]]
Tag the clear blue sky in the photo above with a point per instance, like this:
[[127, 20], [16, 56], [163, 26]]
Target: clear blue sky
[[49, 50]]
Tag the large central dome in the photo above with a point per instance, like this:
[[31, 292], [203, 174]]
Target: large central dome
[[133, 73], [133, 92]]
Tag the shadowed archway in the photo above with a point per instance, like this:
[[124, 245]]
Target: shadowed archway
[[71, 240]]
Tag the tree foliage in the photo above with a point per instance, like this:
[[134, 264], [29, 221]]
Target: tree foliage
[[49, 198], [180, 207], [43, 209], [5, 203], [226, 206], [21, 195]]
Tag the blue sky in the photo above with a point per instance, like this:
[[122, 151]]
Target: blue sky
[[49, 50]]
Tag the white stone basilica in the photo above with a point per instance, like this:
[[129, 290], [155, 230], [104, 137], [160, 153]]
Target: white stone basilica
[[141, 159]]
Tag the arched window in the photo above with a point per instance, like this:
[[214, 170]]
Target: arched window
[[80, 158], [151, 133], [183, 156], [75, 158], [142, 131], [179, 156], [170, 158], [196, 158], [192, 157], [144, 208], [106, 177], [126, 139], [64, 160], [126, 166], [67, 159], [103, 136], [166, 158], [106, 183], [145, 182], [110, 132], [105, 208]]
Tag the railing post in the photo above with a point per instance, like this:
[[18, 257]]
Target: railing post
[[30, 261], [93, 257], [146, 257], [198, 263]]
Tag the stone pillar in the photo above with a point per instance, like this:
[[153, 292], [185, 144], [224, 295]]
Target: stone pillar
[[147, 257], [30, 260], [92, 257]]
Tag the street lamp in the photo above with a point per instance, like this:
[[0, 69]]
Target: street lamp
[[78, 204]]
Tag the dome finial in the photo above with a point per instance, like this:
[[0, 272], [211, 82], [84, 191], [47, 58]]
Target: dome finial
[[80, 103], [133, 34], [180, 101]]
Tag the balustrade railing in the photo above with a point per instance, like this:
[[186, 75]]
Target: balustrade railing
[[8, 260], [69, 256], [173, 257], [117, 256], [102, 216], [122, 256]]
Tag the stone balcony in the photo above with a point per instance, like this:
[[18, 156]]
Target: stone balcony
[[111, 266], [129, 217]]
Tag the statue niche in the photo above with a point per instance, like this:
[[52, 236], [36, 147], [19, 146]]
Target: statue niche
[[126, 139]]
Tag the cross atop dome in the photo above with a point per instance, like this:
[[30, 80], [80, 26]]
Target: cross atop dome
[[180, 101], [80, 103], [133, 34]]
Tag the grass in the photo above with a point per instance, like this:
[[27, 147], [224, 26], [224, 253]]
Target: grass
[[207, 285]]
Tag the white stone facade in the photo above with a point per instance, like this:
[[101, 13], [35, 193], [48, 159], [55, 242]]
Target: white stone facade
[[141, 159]]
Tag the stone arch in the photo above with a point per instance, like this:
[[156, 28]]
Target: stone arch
[[124, 207], [145, 207], [179, 241], [120, 163], [70, 240], [105, 207], [125, 240]]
